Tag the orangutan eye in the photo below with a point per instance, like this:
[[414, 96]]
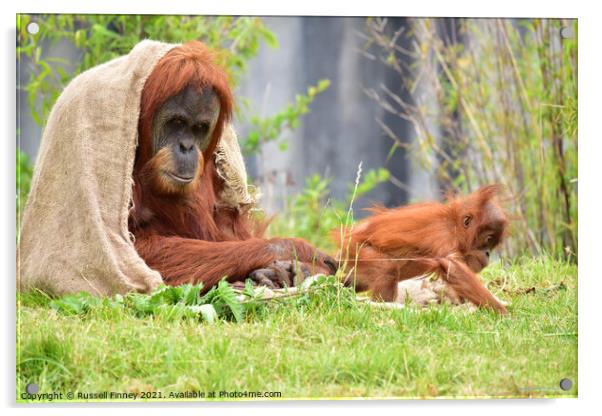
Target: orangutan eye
[[491, 241], [177, 122], [201, 128], [467, 220]]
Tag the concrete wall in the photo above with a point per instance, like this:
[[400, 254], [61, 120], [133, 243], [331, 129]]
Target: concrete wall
[[341, 130]]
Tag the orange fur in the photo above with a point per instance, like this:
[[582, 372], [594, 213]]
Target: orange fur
[[188, 236], [397, 244]]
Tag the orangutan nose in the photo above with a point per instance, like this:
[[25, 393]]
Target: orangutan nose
[[186, 145]]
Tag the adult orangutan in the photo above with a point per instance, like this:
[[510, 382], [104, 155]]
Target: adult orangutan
[[180, 228], [453, 240]]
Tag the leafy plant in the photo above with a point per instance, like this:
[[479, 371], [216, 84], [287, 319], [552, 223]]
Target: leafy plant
[[175, 303], [270, 129], [313, 215], [224, 300], [167, 302]]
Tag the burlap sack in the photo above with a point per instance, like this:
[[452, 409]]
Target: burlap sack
[[74, 234]]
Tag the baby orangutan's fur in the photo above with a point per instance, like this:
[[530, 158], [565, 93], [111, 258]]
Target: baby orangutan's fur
[[452, 240]]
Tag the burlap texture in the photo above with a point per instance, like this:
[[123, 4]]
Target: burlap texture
[[74, 234]]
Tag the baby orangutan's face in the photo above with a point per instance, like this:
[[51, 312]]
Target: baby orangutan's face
[[488, 227]]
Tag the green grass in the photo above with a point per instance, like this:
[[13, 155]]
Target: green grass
[[320, 345]]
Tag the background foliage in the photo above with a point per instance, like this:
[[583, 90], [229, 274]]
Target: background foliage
[[100, 38], [492, 100]]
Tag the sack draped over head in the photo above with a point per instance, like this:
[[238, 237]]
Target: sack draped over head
[[74, 234]]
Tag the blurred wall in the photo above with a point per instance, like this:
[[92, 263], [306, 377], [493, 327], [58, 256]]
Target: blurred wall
[[341, 130]]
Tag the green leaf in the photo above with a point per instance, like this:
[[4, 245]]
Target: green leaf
[[272, 128], [76, 304], [208, 312], [141, 304], [192, 294], [224, 299], [283, 145]]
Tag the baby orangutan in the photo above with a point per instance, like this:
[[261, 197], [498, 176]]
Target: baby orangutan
[[453, 240]]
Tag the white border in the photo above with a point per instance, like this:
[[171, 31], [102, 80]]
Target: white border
[[590, 213]]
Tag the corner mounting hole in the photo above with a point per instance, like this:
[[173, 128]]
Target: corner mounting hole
[[33, 28], [32, 388], [566, 384]]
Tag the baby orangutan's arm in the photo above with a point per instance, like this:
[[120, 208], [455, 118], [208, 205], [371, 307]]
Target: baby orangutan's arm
[[467, 284]]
